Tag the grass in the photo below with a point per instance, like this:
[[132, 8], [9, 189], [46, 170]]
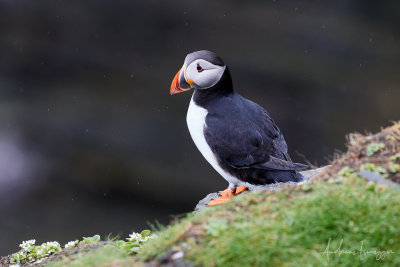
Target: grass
[[291, 228]]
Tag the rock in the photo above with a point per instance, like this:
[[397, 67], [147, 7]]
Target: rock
[[170, 259], [310, 174], [269, 187], [202, 203], [377, 178]]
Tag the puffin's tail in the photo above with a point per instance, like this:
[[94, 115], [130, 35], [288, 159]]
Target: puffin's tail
[[301, 178], [286, 176], [263, 177]]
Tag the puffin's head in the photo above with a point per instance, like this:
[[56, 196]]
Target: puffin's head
[[201, 70]]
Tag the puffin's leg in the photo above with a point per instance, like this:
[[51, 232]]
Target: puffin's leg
[[224, 196], [240, 189]]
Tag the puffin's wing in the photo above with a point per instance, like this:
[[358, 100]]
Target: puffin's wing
[[279, 164], [245, 136]]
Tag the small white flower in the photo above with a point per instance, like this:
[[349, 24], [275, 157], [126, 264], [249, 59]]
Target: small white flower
[[50, 247], [27, 244], [40, 252], [71, 244], [146, 238], [134, 237], [53, 244]]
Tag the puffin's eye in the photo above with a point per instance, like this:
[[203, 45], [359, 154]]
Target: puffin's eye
[[199, 68]]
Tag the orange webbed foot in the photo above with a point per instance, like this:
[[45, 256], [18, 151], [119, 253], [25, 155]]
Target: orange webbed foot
[[240, 189], [224, 197]]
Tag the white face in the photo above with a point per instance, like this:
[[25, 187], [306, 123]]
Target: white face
[[203, 73]]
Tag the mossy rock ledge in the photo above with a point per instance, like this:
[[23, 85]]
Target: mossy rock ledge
[[347, 214]]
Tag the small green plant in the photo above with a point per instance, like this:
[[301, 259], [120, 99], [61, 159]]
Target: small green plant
[[395, 157], [390, 138], [215, 227], [134, 241], [394, 168], [373, 148], [95, 238], [71, 244], [31, 253], [346, 172], [372, 167]]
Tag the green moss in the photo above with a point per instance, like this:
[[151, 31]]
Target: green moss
[[394, 168], [291, 228], [373, 148], [104, 256], [395, 157], [346, 172], [374, 168], [390, 138], [216, 227]]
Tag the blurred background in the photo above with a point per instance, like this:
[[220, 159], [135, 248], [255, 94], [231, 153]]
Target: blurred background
[[91, 142]]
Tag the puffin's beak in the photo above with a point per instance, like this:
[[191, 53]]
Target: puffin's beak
[[179, 83]]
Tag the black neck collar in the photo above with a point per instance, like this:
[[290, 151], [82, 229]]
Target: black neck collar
[[224, 87]]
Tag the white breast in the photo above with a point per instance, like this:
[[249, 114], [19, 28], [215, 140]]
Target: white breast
[[196, 121]]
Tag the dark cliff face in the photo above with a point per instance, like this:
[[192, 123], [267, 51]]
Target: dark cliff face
[[87, 123]]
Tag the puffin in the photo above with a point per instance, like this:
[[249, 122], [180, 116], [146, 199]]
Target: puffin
[[235, 135]]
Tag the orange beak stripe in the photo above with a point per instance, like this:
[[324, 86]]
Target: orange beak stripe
[[175, 88]]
